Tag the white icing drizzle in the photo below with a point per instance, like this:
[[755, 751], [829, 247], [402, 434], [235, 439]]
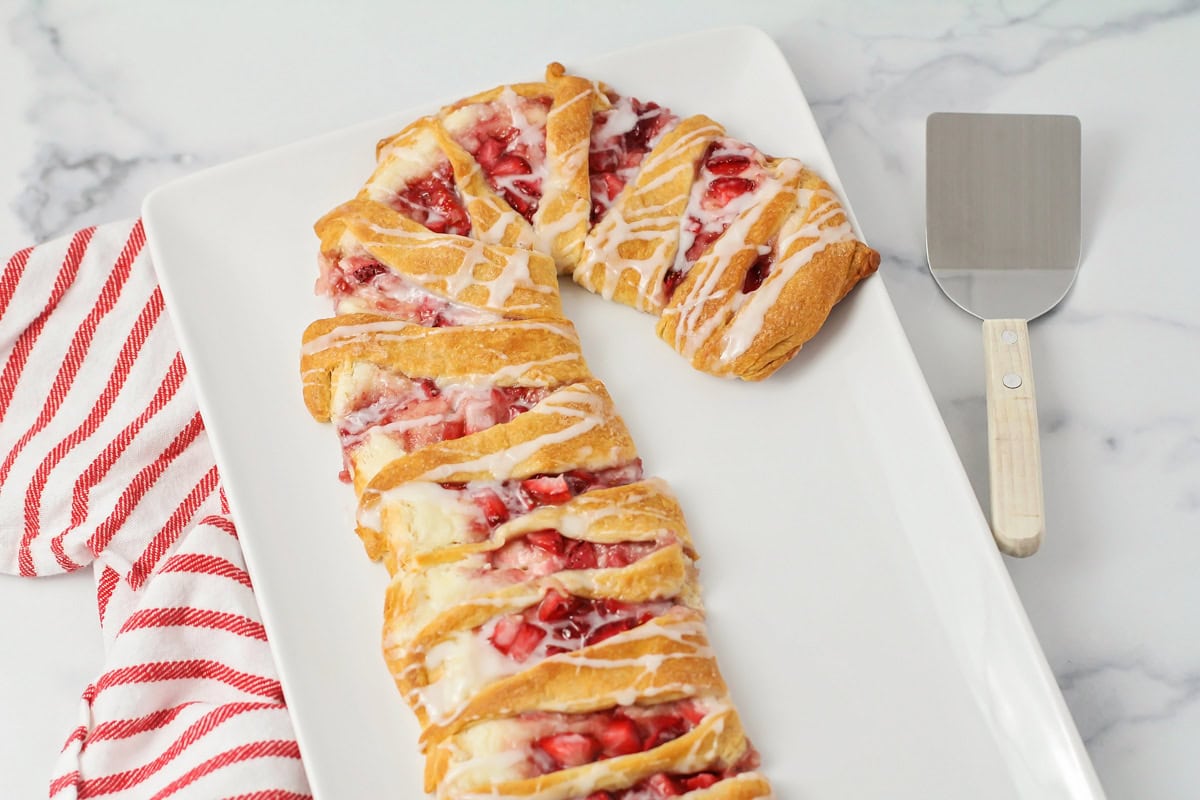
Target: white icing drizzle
[[650, 223], [750, 309], [514, 271], [564, 403], [694, 326]]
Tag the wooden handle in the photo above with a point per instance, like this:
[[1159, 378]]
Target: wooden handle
[[1014, 453]]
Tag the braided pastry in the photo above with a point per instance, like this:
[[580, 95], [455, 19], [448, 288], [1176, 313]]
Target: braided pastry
[[543, 618]]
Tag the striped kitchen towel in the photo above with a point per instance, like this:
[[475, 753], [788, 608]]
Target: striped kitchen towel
[[105, 464]]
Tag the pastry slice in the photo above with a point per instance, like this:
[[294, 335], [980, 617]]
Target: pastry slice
[[376, 260], [458, 491], [527, 144], [635, 241], [737, 206], [767, 306], [414, 177], [671, 733], [391, 388]]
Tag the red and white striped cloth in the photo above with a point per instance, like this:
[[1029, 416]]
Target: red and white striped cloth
[[105, 464]]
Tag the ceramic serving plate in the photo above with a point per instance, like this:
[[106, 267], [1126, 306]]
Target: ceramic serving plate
[[863, 619]]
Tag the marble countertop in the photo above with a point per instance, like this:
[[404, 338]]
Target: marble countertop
[[102, 104]]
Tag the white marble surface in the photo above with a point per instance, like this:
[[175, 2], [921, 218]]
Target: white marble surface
[[102, 103]]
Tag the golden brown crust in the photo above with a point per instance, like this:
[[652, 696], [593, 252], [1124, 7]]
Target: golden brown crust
[[629, 250], [561, 220], [426, 512], [510, 282], [717, 742], [643, 511], [516, 353], [575, 427], [818, 263], [703, 295]]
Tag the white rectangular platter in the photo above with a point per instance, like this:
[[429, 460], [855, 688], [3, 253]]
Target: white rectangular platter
[[863, 619]]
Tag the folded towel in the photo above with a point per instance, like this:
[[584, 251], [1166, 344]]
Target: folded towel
[[104, 463]]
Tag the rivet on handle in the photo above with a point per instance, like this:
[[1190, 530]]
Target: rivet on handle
[[1012, 380]]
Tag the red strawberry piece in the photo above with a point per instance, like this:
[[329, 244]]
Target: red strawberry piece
[[598, 209], [368, 271], [516, 638], [554, 606], [663, 785], [581, 555], [700, 244], [727, 165], [600, 161], [580, 480], [549, 540], [531, 188], [506, 135], [599, 796], [489, 152], [569, 749], [608, 606], [509, 164], [701, 780], [613, 185], [609, 629], [428, 387], [493, 508], [518, 203], [505, 633], [547, 489], [620, 737], [723, 190], [452, 429], [757, 273], [662, 728], [692, 712]]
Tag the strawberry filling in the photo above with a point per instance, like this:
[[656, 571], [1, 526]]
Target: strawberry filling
[[508, 141], [727, 177], [621, 137], [434, 201], [758, 272], [546, 551], [360, 283], [417, 413], [662, 784], [563, 623], [496, 502], [579, 739]]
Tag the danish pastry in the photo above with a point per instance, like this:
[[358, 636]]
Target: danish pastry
[[543, 618]]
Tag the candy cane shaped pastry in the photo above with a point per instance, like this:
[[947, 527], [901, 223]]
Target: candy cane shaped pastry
[[543, 618]]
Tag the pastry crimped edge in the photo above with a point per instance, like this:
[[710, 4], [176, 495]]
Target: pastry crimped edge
[[630, 269]]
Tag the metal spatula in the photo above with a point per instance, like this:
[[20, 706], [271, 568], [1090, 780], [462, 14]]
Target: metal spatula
[[1002, 229]]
